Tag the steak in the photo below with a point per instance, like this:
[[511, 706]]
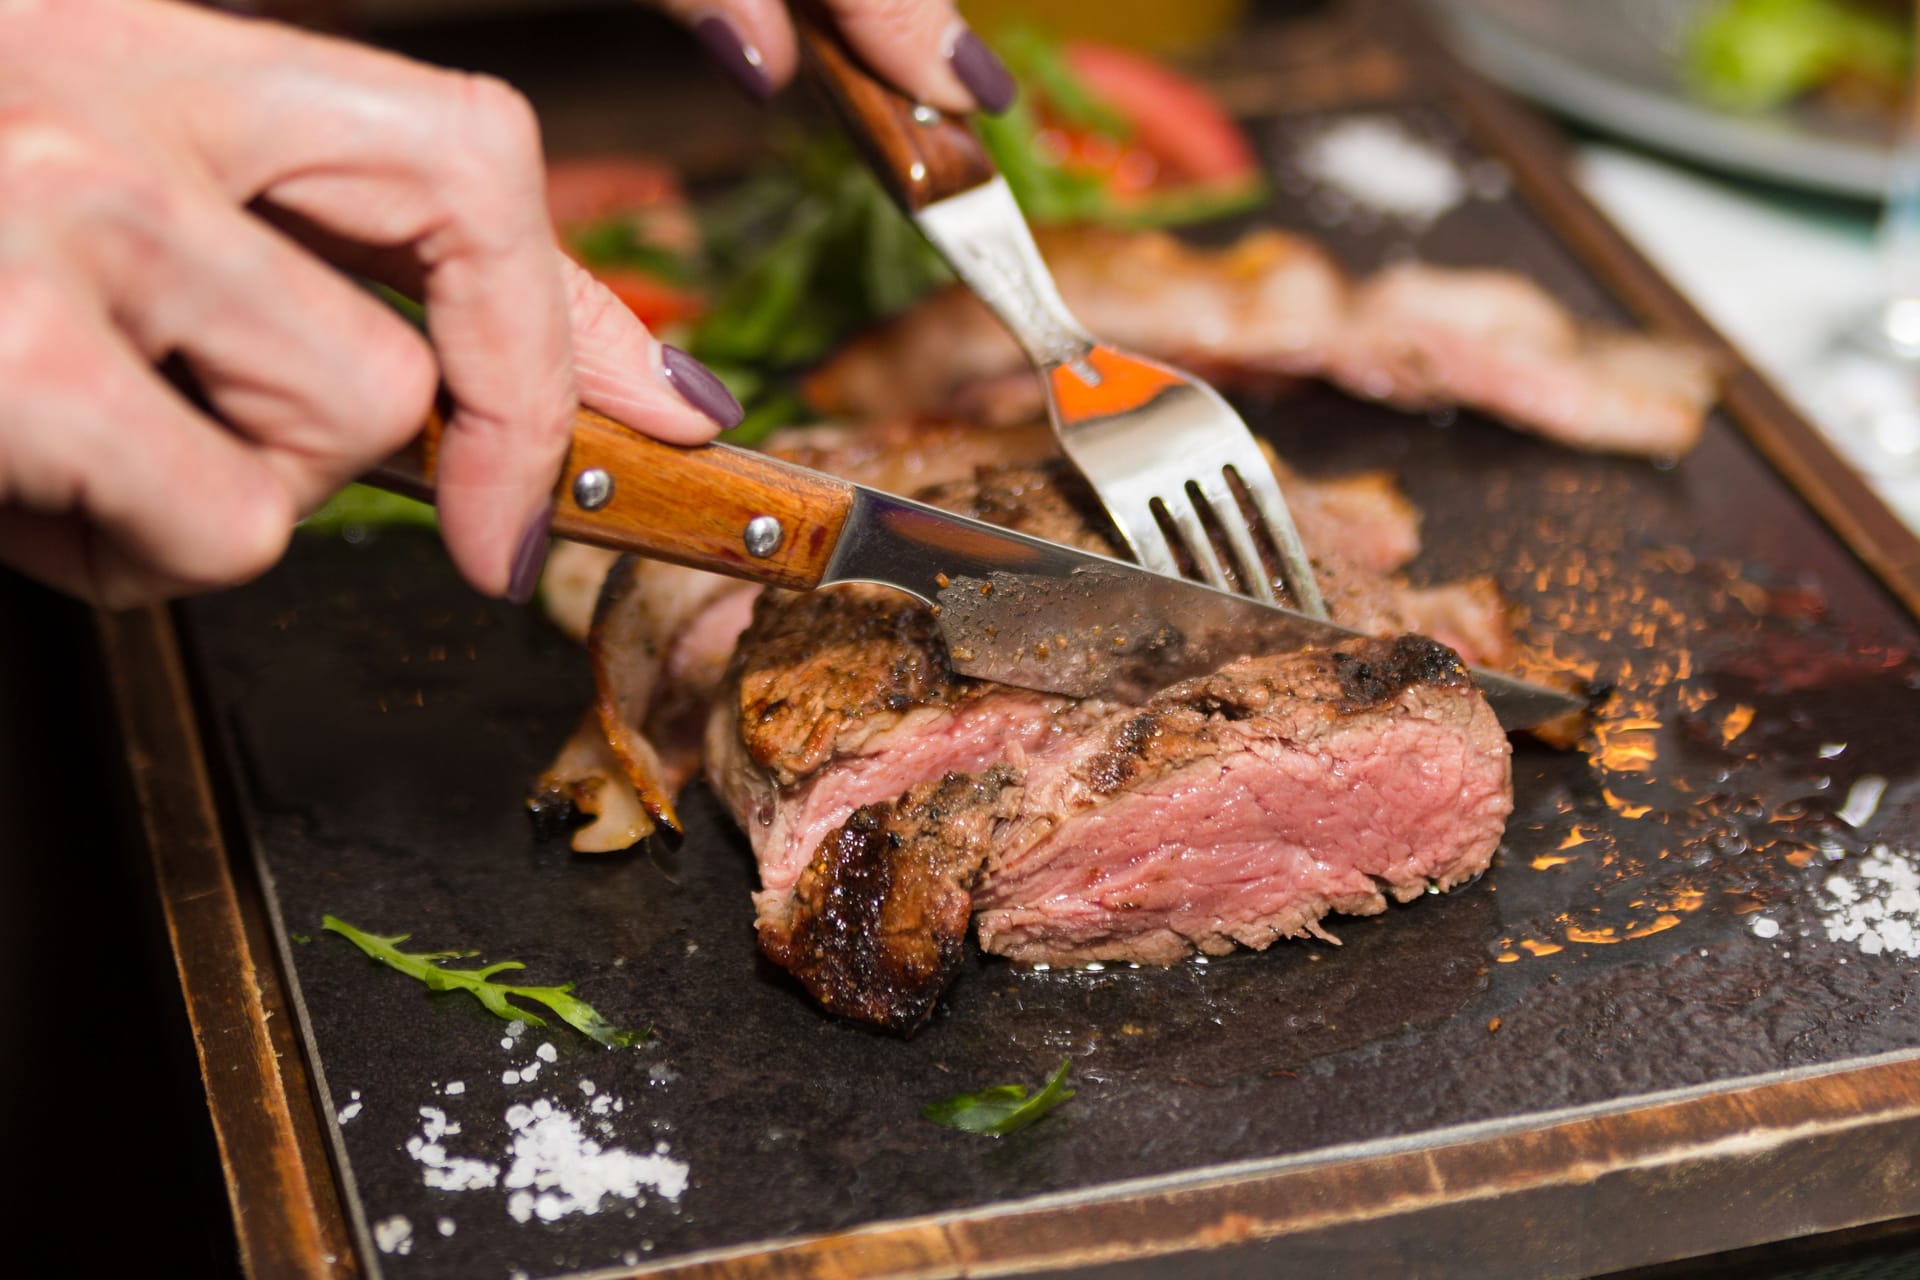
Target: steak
[[1237, 808], [889, 801]]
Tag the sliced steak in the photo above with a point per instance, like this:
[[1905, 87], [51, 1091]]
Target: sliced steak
[[1298, 784], [1243, 806], [1238, 808]]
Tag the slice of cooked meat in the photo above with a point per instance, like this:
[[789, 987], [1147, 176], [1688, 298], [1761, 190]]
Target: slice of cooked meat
[[1238, 808], [1242, 807], [1273, 306], [1421, 337], [877, 923]]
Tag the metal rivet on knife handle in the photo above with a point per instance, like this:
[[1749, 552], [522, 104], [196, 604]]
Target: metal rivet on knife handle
[[763, 536], [592, 489], [925, 116]]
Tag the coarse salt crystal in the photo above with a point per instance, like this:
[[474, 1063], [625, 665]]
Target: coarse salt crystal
[[546, 1052], [456, 1086], [393, 1235], [509, 1076], [586, 1087], [529, 1071], [347, 1113], [1765, 927], [445, 1226]]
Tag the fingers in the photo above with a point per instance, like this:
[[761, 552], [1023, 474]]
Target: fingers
[[923, 47], [446, 167], [324, 378], [111, 486], [920, 46], [625, 373]]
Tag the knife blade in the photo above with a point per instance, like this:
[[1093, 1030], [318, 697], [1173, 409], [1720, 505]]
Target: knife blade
[[1014, 609]]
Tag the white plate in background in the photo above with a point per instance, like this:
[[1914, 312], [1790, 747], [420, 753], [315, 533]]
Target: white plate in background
[[1614, 65]]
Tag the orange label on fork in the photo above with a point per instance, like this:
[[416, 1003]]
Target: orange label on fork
[[1125, 383]]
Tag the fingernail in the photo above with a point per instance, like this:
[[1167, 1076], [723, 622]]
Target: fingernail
[[741, 60], [530, 557], [700, 387], [981, 70]]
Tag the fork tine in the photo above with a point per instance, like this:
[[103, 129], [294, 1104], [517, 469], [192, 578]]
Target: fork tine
[[1254, 580], [1264, 492], [1146, 539], [1186, 518]]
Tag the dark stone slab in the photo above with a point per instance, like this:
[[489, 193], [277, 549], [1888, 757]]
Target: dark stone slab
[[382, 724]]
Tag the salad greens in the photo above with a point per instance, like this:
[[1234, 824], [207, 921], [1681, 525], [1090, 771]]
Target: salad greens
[[1002, 1109], [799, 257], [426, 967], [1755, 54]]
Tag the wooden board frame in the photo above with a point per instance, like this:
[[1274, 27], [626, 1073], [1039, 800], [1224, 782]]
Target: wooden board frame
[[1605, 1189]]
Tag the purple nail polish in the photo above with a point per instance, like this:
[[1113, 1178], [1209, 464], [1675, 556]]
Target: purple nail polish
[[981, 70], [741, 60], [530, 558], [700, 387]]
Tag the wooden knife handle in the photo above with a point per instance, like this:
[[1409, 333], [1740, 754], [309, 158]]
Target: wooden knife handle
[[691, 506], [920, 154]]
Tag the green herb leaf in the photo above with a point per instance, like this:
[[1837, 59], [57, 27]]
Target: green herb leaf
[[1003, 1109], [359, 506], [425, 967]]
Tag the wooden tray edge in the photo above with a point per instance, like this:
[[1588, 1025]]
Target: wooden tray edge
[[280, 1183], [1621, 1189]]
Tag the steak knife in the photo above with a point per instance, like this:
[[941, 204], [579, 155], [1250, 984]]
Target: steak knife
[[1014, 609]]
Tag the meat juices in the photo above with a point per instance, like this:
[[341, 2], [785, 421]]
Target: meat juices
[[889, 800]]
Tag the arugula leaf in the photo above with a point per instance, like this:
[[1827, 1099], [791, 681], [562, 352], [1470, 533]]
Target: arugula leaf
[[1003, 1109], [478, 983]]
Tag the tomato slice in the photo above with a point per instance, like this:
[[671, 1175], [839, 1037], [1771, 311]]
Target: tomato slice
[[650, 298], [1175, 121]]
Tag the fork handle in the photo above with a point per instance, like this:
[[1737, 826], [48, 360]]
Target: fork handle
[[922, 155], [692, 506]]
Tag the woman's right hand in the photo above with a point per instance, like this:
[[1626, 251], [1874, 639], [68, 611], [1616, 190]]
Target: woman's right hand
[[179, 188]]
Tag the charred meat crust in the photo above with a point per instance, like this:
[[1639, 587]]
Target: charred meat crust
[[877, 925], [813, 668]]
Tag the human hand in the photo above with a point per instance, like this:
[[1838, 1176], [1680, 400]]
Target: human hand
[[173, 186], [922, 46]]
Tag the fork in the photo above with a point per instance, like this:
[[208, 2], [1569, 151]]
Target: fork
[[1179, 474]]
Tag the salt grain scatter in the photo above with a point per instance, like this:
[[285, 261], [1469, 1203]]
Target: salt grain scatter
[[1877, 908], [393, 1235], [558, 1170], [1376, 163]]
